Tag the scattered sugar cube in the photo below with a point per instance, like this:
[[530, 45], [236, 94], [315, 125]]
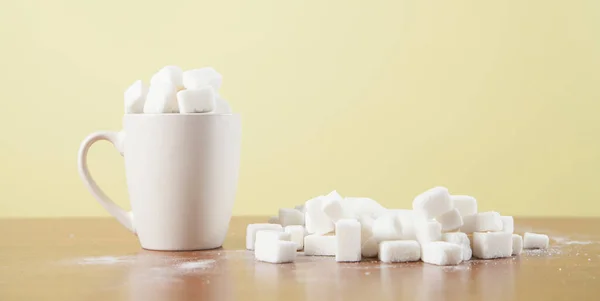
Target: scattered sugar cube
[[334, 195], [316, 220], [535, 241], [196, 78], [517, 244], [508, 224], [253, 228], [290, 216], [481, 222], [273, 220], [461, 239], [366, 227], [168, 75], [347, 234], [441, 253], [317, 245], [370, 248], [492, 245], [333, 209], [428, 231], [399, 251], [356, 207], [387, 227], [466, 205], [450, 220], [275, 251], [161, 99], [267, 247], [221, 106], [296, 235], [433, 202], [135, 97], [269, 235], [200, 100], [407, 223]]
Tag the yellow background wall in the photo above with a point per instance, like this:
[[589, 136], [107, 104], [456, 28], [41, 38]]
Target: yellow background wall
[[498, 99]]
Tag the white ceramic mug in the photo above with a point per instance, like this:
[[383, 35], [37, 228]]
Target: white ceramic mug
[[182, 172]]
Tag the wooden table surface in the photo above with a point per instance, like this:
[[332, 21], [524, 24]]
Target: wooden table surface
[[95, 259]]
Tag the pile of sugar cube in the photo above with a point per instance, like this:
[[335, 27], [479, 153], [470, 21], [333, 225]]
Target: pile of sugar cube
[[172, 90], [441, 229]]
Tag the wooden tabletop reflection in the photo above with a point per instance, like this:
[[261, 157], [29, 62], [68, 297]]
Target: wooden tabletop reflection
[[95, 259]]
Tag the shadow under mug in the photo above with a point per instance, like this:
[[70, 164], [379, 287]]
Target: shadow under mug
[[182, 173]]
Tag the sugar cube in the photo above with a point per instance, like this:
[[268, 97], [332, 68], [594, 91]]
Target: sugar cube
[[333, 209], [462, 240], [355, 207], [267, 249], [433, 202], [481, 222], [535, 241], [441, 253], [492, 245], [366, 227], [347, 234], [399, 251], [161, 99], [450, 220], [200, 100], [253, 228], [317, 245], [268, 235], [387, 227], [370, 248], [296, 235], [135, 97], [196, 78], [508, 224], [276, 251], [168, 75], [316, 220], [407, 223], [290, 216], [428, 231], [517, 244], [465, 204], [335, 196]]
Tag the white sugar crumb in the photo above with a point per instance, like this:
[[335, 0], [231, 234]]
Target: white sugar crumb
[[577, 242], [193, 265], [567, 241], [460, 267], [159, 262], [367, 273], [104, 260], [559, 239], [554, 251]]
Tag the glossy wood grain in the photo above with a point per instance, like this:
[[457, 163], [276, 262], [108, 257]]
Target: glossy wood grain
[[96, 259]]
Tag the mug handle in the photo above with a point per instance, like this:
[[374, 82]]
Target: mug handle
[[116, 138]]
